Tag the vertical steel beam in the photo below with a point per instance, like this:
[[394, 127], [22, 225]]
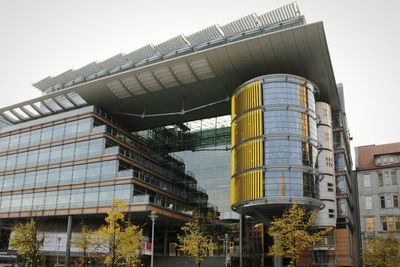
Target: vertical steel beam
[[241, 235], [68, 249]]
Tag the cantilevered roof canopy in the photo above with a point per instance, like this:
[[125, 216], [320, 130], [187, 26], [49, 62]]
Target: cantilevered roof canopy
[[195, 84]]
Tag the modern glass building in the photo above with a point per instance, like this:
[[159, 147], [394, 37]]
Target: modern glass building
[[237, 121]]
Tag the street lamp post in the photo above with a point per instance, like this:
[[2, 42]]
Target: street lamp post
[[226, 250], [153, 216], [58, 248]]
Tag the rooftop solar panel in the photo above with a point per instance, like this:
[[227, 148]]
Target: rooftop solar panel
[[278, 15], [44, 83], [67, 76], [172, 45], [113, 62], [141, 54], [241, 25], [89, 69], [206, 35]]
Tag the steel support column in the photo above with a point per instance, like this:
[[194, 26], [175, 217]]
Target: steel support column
[[68, 249], [241, 235]]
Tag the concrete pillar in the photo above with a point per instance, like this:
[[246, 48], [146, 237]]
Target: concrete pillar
[[166, 241], [68, 249]]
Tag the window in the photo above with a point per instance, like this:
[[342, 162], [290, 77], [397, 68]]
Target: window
[[41, 178], [58, 132], [370, 224], [368, 203], [53, 176], [70, 129], [389, 201], [391, 223], [24, 139], [84, 127], [330, 187], [55, 154], [386, 178], [367, 180], [326, 137], [68, 152], [79, 173], [341, 184], [383, 202], [44, 155], [380, 178], [91, 196], [93, 172], [66, 175], [393, 174], [46, 135]]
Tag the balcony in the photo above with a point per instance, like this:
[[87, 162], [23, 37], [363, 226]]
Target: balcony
[[326, 243]]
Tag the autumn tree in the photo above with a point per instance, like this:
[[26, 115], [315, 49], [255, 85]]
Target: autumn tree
[[193, 242], [26, 241], [85, 241], [294, 233], [382, 252], [130, 240], [118, 237]]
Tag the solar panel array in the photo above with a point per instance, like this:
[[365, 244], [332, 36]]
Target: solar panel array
[[213, 35]]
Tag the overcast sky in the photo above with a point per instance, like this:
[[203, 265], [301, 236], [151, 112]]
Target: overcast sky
[[47, 37]]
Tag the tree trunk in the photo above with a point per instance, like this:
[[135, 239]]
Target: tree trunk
[[84, 258]]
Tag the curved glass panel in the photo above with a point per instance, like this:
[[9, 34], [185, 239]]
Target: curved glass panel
[[287, 157], [289, 125]]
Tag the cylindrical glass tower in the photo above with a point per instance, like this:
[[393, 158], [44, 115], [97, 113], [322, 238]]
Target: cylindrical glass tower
[[274, 144]]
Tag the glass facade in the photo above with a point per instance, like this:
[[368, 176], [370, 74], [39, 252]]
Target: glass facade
[[291, 134], [284, 146], [88, 151], [82, 173], [212, 170], [65, 199], [53, 154], [46, 135]]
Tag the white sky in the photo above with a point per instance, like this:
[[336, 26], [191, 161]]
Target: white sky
[[47, 37]]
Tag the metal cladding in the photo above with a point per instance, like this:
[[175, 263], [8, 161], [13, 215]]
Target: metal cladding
[[327, 185], [274, 144]]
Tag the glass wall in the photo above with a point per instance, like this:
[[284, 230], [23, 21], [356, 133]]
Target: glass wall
[[212, 169], [64, 199], [290, 131], [274, 135], [340, 162], [93, 172], [46, 135], [55, 154]]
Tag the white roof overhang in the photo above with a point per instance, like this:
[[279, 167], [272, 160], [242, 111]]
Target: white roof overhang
[[175, 86]]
